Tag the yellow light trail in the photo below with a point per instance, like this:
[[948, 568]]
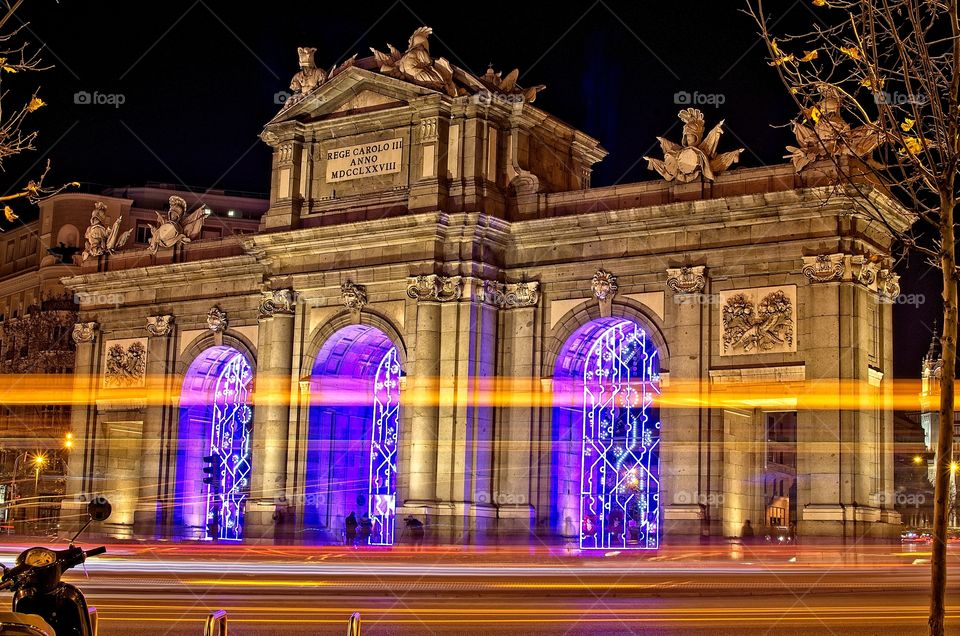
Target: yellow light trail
[[819, 394]]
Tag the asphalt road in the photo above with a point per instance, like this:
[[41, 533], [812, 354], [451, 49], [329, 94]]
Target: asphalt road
[[163, 590]]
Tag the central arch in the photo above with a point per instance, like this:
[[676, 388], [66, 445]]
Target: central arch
[[216, 419], [606, 437], [351, 463]]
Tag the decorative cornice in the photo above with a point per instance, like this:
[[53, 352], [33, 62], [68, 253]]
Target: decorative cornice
[[277, 302], [435, 287], [353, 296], [604, 285], [823, 268], [84, 332], [509, 295], [159, 325], [217, 320], [688, 279]]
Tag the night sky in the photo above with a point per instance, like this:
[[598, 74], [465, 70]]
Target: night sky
[[197, 82]]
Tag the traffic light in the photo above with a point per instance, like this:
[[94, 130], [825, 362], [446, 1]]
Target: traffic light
[[213, 468]]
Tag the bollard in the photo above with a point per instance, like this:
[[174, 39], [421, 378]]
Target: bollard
[[353, 624], [94, 620], [216, 624]]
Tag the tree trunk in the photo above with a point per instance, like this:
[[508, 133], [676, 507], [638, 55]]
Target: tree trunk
[[948, 341]]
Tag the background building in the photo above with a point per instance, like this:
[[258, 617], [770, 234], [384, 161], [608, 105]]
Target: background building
[[37, 316]]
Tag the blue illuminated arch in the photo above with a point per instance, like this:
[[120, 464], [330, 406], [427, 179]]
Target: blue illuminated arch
[[606, 426], [354, 428], [216, 418]]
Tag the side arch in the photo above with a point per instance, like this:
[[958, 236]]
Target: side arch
[[206, 341], [323, 332]]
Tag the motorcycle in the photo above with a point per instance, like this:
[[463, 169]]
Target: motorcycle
[[43, 605]]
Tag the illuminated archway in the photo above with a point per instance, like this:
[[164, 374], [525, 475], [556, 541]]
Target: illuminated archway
[[216, 419], [606, 437], [351, 461]]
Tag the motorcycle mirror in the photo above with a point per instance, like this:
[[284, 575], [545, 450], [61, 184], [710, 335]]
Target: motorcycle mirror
[[99, 509]]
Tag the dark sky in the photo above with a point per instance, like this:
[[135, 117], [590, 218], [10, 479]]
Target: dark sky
[[197, 82]]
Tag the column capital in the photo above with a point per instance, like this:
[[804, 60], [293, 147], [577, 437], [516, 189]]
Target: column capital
[[435, 287], [508, 295], [277, 302], [687, 279], [85, 332], [160, 325]]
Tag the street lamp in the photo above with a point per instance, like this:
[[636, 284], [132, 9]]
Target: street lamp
[[68, 441], [917, 459], [39, 460]]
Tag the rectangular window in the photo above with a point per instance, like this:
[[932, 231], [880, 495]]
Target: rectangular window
[[143, 232], [781, 438]]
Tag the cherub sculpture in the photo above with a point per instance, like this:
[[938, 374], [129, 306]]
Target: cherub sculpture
[[830, 135], [696, 156], [101, 240], [172, 231]]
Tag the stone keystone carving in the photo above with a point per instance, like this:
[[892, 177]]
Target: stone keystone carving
[[159, 325], [823, 268], [175, 229], [696, 155], [353, 296], [435, 287], [84, 332], [277, 301], [604, 285], [99, 239], [688, 279], [217, 320]]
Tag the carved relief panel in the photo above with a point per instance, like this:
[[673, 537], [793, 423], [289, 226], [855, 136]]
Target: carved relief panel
[[125, 363], [758, 320]]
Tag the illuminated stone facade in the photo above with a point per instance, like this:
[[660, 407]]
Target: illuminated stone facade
[[429, 337]]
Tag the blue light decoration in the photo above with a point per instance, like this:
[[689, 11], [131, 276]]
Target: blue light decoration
[[382, 490], [620, 470], [230, 439]]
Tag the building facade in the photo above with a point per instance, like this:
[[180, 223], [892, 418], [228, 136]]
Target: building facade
[[37, 317], [440, 318]]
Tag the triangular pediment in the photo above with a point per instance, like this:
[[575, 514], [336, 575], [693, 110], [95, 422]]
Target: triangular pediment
[[355, 90]]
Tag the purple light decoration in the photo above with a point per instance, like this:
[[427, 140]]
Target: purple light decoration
[[230, 440], [607, 380], [382, 487], [352, 439]]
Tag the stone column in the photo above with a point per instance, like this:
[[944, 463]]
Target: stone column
[[513, 497], [271, 418], [424, 387], [82, 425], [148, 514], [683, 498]]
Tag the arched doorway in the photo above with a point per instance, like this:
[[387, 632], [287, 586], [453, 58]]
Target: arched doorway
[[606, 437], [351, 461], [216, 419]]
